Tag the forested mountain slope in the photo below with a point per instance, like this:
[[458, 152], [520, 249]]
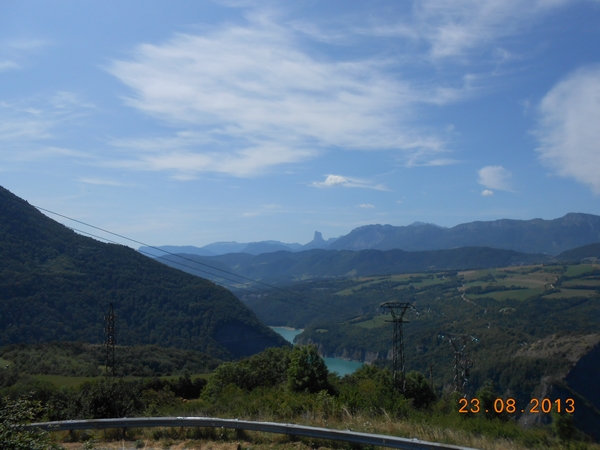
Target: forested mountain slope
[[56, 285], [590, 251]]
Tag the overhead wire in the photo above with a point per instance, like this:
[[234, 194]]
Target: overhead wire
[[151, 255], [260, 335], [187, 266], [324, 305]]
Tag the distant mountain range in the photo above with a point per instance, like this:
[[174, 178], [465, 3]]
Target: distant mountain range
[[252, 248], [56, 285], [527, 236]]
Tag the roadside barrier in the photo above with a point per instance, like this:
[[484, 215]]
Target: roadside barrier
[[266, 427]]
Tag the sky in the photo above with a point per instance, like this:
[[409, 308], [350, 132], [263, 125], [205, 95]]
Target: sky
[[191, 122]]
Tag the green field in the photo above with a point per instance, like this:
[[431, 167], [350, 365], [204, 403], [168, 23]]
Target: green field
[[569, 293], [471, 275], [375, 322], [529, 281], [534, 279], [421, 280], [582, 282], [517, 294], [579, 269], [361, 284]]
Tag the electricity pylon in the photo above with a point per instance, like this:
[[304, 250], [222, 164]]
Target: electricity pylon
[[462, 364], [110, 341], [397, 311]]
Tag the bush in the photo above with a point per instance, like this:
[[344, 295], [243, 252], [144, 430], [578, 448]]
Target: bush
[[419, 390], [13, 436], [266, 369], [307, 371]]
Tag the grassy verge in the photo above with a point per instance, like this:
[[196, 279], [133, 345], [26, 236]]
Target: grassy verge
[[477, 433]]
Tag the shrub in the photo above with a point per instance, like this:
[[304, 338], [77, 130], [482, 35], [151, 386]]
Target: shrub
[[307, 371], [13, 436]]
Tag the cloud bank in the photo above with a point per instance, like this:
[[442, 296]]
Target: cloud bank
[[569, 127]]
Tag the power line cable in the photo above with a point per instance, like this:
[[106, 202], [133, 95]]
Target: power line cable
[[150, 254], [259, 335], [324, 304], [181, 264]]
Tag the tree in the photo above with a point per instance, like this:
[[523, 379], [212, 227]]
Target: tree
[[419, 390], [307, 371], [13, 436], [563, 425]]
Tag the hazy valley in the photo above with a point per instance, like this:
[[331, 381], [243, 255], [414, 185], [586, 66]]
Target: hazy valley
[[531, 318]]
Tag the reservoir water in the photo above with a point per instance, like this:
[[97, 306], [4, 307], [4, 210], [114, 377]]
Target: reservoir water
[[341, 366]]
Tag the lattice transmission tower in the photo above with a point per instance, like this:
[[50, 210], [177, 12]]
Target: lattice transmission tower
[[462, 363], [109, 342], [397, 310]]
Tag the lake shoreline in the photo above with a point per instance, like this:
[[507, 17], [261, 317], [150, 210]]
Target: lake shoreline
[[339, 365]]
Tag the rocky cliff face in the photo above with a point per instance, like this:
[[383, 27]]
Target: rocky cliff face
[[582, 384], [317, 242]]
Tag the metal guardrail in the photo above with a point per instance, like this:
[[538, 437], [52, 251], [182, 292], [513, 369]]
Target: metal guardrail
[[267, 427]]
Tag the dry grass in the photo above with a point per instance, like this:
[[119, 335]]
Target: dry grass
[[219, 439]]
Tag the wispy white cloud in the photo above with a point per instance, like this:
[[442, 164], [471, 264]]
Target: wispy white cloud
[[32, 119], [28, 127], [238, 92], [338, 180], [453, 28], [495, 177], [35, 153], [569, 131], [266, 209], [366, 205], [26, 44], [487, 193], [241, 89], [8, 65], [427, 159], [185, 163], [15, 54], [102, 182], [17, 129], [69, 100]]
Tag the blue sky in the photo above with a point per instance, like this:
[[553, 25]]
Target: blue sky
[[188, 122]]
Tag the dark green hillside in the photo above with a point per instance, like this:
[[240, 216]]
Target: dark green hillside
[[577, 254], [56, 285], [77, 359]]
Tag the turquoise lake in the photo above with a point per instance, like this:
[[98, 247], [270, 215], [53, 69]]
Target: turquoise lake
[[341, 366]]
